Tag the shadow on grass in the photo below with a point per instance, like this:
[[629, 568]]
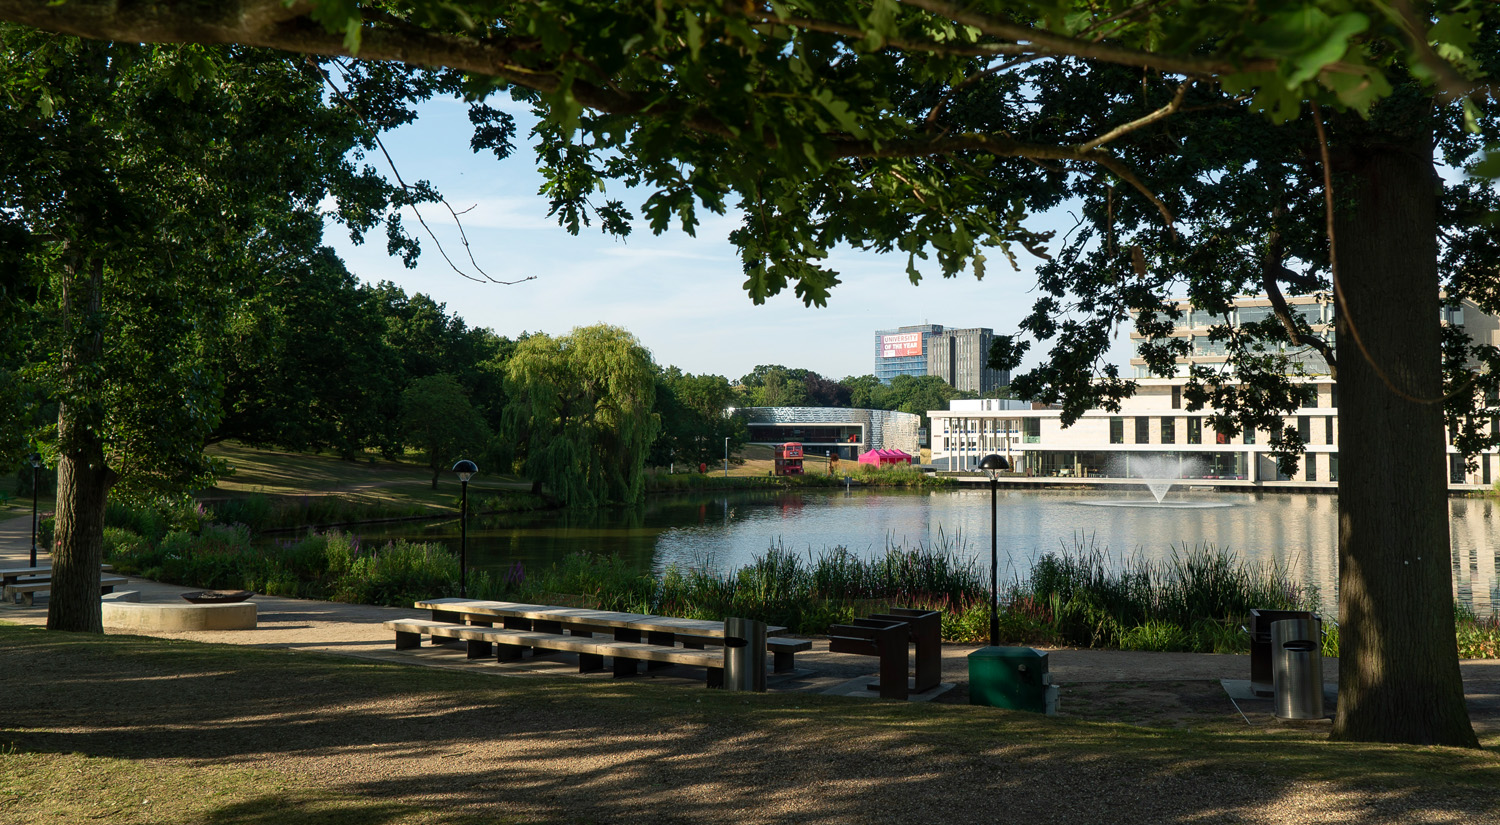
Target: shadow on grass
[[392, 743]]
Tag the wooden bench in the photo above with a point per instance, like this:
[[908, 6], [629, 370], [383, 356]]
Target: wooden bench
[[925, 631], [12, 575], [507, 644], [884, 639], [24, 591], [783, 650]]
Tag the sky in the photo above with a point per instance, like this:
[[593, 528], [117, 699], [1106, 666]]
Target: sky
[[680, 295]]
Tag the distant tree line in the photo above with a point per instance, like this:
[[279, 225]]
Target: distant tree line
[[773, 385]]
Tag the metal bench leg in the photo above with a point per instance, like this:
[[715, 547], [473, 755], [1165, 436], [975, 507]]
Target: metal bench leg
[[407, 641], [692, 644], [716, 677], [590, 662], [665, 640], [508, 653], [479, 650], [894, 663], [622, 666], [782, 662]]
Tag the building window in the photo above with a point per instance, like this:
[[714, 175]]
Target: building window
[[1333, 396], [1328, 430], [1031, 430], [1176, 397], [1312, 466], [1456, 469], [1142, 430], [1333, 466], [1304, 429], [1484, 462], [1116, 430], [1249, 435], [1195, 430], [1169, 431]]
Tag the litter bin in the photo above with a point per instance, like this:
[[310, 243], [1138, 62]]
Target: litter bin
[[1261, 682], [1297, 668], [1015, 678], [744, 655]]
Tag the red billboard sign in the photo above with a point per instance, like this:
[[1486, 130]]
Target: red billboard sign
[[901, 345]]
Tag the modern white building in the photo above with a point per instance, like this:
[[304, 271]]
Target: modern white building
[[1154, 425]]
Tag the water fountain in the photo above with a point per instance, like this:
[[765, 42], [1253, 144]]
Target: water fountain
[[1159, 473]]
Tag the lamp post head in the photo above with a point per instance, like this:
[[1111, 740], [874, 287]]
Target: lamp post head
[[992, 465], [36, 460], [465, 469]]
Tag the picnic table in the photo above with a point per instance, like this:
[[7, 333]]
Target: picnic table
[[12, 575], [630, 637], [21, 584], [662, 630]]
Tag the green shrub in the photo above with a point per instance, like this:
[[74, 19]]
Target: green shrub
[[1156, 636]]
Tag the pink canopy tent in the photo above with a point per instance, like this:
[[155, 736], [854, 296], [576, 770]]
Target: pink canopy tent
[[884, 458]]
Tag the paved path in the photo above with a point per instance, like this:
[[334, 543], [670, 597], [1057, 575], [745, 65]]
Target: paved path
[[355, 630]]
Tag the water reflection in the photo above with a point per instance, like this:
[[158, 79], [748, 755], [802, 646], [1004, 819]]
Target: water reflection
[[1296, 530]]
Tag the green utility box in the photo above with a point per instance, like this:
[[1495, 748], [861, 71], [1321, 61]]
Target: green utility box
[[1014, 678]]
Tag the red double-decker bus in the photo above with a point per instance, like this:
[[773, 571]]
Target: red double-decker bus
[[789, 459]]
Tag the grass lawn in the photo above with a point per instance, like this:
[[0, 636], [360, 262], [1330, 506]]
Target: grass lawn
[[197, 733], [371, 479]]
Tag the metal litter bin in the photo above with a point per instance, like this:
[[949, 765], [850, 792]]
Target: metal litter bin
[[744, 655], [1260, 646], [1297, 668]]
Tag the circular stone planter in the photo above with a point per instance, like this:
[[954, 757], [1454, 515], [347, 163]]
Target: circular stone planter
[[153, 616]]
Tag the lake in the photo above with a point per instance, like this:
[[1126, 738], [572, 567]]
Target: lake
[[727, 530]]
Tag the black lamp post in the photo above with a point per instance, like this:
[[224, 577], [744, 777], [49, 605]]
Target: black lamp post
[[36, 475], [992, 465], [466, 470]]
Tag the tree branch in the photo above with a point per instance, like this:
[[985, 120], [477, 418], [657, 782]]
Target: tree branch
[[1127, 128]]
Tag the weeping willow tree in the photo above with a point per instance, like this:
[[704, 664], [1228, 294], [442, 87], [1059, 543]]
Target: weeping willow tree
[[580, 416]]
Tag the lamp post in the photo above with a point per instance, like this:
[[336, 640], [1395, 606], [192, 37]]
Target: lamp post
[[465, 470], [36, 475], [992, 465], [726, 456]]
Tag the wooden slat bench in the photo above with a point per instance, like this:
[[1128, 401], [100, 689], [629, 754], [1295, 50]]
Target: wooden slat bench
[[506, 644], [876, 637], [24, 590], [782, 648], [12, 575]]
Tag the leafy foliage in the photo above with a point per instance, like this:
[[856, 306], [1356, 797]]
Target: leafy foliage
[[581, 413]]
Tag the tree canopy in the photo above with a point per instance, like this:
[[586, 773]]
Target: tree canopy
[[1207, 148], [144, 189], [581, 413]]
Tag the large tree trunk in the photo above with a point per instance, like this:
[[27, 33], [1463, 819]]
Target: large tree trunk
[[83, 479], [1398, 666]]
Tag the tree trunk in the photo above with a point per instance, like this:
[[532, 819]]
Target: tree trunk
[[1398, 666], [83, 479]]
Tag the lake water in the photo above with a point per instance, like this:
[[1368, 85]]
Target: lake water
[[725, 531]]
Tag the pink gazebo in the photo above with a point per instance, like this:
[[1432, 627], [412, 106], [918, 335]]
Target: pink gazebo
[[884, 458]]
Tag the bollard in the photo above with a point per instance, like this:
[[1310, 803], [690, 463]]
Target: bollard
[[744, 655], [1297, 668]]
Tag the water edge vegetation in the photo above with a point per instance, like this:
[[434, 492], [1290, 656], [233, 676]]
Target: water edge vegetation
[[1196, 600]]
